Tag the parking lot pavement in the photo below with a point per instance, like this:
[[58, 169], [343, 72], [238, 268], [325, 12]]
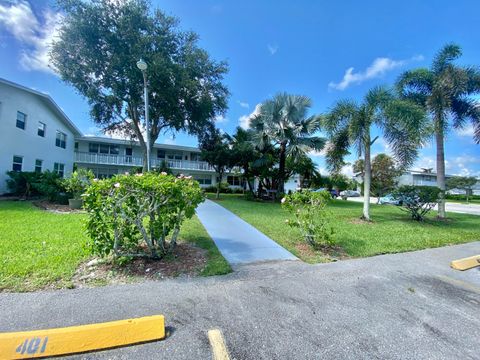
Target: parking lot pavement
[[403, 306]]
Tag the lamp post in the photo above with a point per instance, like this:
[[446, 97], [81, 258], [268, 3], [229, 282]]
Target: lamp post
[[142, 65]]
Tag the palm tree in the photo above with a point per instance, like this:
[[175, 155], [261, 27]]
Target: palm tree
[[349, 125], [282, 122], [444, 91]]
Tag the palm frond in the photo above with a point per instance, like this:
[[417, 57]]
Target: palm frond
[[445, 57]]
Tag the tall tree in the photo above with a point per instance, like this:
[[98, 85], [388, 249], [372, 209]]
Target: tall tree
[[283, 122], [349, 124], [99, 44], [465, 183], [445, 92], [384, 174], [244, 155], [215, 150]]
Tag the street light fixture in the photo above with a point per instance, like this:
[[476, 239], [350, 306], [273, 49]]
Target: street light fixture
[[142, 65]]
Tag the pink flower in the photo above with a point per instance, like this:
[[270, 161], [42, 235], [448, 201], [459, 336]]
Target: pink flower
[[163, 173], [117, 185], [95, 179], [283, 200], [138, 174], [188, 177], [127, 173]]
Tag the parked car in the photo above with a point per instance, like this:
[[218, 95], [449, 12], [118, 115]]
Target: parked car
[[390, 200], [349, 193]]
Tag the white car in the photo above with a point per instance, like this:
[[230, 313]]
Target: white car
[[349, 193]]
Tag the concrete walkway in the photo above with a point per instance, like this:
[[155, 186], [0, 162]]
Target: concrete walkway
[[238, 241]]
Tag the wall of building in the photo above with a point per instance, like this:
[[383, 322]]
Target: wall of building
[[27, 143]]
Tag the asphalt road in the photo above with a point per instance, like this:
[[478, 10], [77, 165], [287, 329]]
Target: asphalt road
[[472, 209], [404, 306]]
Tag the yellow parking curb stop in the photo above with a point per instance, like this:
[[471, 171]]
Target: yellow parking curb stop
[[83, 338], [466, 263]]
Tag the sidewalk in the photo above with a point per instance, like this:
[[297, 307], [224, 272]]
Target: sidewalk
[[238, 241]]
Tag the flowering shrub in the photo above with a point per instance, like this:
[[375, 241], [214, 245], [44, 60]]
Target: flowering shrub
[[309, 213], [139, 215]]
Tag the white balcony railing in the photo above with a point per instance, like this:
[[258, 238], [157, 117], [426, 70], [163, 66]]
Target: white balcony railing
[[123, 160]]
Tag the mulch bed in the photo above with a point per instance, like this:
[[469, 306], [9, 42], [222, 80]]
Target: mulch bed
[[331, 253], [187, 260], [57, 208]]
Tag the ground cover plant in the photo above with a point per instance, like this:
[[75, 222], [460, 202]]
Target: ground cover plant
[[391, 231]]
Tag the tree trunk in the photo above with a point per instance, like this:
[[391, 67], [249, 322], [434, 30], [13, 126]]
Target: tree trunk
[[440, 166], [367, 181], [281, 169], [219, 182]]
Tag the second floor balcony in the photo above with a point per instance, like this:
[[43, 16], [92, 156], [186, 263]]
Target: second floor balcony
[[124, 160]]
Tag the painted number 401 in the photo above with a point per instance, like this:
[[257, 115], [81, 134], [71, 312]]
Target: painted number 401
[[33, 346]]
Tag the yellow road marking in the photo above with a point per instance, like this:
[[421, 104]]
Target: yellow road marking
[[219, 349], [74, 339], [466, 263]]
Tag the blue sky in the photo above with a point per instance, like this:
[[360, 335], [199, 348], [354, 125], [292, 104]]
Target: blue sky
[[323, 49]]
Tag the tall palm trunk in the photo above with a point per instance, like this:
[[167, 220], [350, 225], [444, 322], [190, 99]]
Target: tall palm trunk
[[281, 169], [367, 181], [439, 138]]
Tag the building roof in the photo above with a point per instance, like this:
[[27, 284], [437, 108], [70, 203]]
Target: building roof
[[100, 139], [49, 101]]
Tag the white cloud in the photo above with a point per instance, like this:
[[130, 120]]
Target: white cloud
[[377, 69], [466, 131], [220, 119], [348, 170], [244, 120], [34, 33], [463, 165], [243, 104], [272, 49]]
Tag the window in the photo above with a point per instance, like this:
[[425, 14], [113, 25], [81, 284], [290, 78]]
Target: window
[[103, 149], [17, 163], [38, 166], [76, 145], [234, 181], [21, 120], [174, 156], [93, 148], [161, 154], [41, 129], [204, 181], [61, 140], [59, 169], [194, 156]]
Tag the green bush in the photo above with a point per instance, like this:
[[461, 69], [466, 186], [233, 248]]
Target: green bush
[[462, 197], [417, 200], [21, 182], [309, 214], [224, 188], [27, 184], [78, 182], [133, 215], [49, 184]]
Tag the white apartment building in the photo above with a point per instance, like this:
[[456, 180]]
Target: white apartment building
[[36, 135]]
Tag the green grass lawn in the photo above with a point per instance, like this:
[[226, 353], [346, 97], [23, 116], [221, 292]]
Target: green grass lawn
[[390, 232], [41, 249]]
